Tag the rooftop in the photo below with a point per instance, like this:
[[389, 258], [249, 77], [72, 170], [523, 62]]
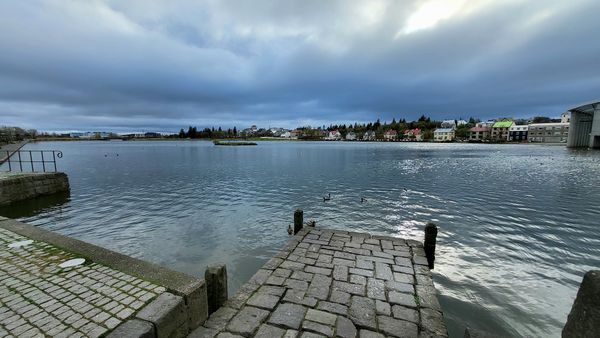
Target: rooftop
[[503, 124]]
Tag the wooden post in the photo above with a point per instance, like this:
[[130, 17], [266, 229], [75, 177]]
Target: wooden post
[[431, 231], [584, 319], [216, 286], [298, 220]]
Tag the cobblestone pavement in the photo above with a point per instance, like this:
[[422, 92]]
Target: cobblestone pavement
[[329, 283], [38, 298]]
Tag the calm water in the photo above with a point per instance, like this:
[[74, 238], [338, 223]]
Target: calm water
[[519, 223]]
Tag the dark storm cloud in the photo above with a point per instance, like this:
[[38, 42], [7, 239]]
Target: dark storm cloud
[[163, 65]]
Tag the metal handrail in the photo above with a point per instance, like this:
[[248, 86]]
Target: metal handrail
[[20, 160]]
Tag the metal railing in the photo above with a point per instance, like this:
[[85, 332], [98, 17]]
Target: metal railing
[[31, 160]]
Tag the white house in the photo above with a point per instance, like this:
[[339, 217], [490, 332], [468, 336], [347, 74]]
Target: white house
[[443, 134], [390, 135], [369, 135], [351, 136], [334, 135]]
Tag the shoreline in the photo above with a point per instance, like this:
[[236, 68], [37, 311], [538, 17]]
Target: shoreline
[[274, 139]]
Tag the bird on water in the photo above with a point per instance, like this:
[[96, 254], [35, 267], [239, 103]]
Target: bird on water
[[363, 200], [327, 198]]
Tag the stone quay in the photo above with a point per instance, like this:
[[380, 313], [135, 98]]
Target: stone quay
[[331, 283], [56, 286]]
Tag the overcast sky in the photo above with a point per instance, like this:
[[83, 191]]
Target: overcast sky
[[162, 65]]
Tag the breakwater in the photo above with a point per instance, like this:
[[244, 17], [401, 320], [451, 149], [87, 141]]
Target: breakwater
[[16, 187]]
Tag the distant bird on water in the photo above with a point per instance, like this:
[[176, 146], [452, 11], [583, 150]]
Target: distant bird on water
[[363, 200], [290, 231], [327, 198]]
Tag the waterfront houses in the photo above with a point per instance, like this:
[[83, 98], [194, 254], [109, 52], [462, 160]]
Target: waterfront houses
[[518, 133], [443, 134], [548, 132], [294, 134], [351, 136], [413, 134], [390, 135], [480, 133], [500, 130], [369, 135]]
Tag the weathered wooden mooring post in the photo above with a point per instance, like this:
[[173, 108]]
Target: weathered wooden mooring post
[[431, 231], [216, 286], [584, 319], [298, 220]]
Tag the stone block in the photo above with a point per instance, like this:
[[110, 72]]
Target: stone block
[[268, 331], [247, 321], [432, 321], [340, 273], [584, 317], [220, 318], [403, 299], [400, 287], [383, 308], [263, 300], [397, 327], [375, 289], [320, 317], [362, 312], [333, 308], [345, 328], [288, 315], [203, 332], [168, 314], [133, 328], [317, 328], [370, 334], [404, 313]]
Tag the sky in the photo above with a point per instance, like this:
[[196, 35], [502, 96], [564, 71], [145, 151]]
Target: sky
[[162, 65]]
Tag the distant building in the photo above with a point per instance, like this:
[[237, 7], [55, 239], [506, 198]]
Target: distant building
[[413, 134], [369, 135], [548, 132], [334, 135], [518, 133], [485, 124], [479, 133], [152, 135], [565, 117], [294, 134], [448, 124], [351, 136], [390, 135], [500, 130], [443, 134], [286, 134], [461, 123]]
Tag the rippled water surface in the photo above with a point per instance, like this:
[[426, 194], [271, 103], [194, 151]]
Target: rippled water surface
[[518, 223]]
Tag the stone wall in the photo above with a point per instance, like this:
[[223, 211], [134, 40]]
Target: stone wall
[[16, 187]]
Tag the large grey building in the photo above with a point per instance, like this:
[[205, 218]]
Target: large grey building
[[584, 130]]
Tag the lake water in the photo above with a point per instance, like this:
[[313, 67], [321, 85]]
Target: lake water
[[518, 223]]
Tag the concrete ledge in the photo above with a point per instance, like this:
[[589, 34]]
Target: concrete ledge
[[168, 315], [134, 328], [16, 187], [191, 289]]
